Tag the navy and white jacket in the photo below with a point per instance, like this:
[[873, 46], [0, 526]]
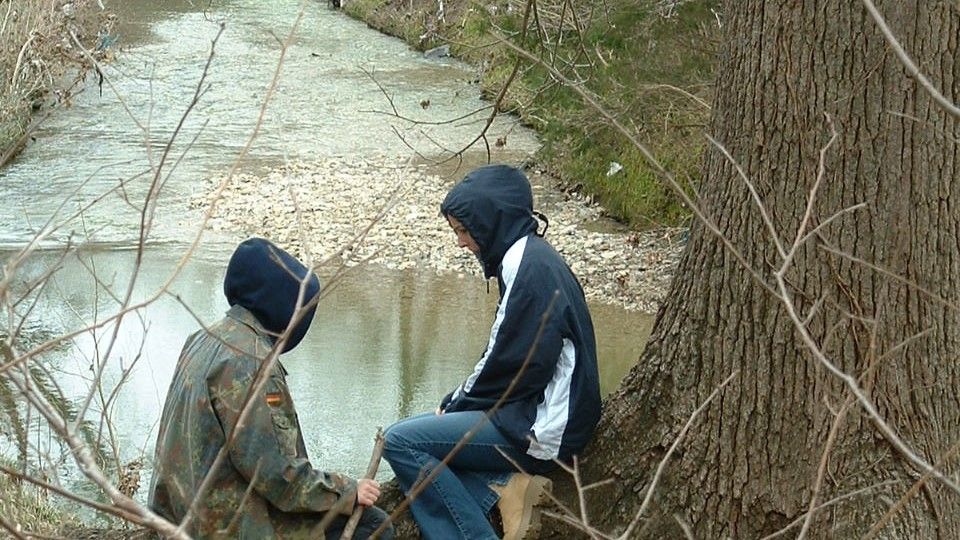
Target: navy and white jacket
[[554, 408]]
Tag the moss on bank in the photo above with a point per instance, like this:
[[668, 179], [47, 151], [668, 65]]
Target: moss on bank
[[650, 63]]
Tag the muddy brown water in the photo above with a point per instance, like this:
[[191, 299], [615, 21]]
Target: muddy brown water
[[385, 344]]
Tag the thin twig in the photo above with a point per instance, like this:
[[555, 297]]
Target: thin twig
[[502, 94], [700, 101], [684, 526], [824, 461], [911, 67], [658, 168], [829, 503], [666, 458], [812, 195], [11, 528], [764, 215], [23, 51], [417, 488], [898, 507], [351, 525], [892, 275], [568, 513], [575, 523], [96, 505], [581, 495]]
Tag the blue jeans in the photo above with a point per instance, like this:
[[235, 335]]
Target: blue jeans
[[455, 504]]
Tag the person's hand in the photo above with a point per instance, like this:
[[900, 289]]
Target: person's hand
[[368, 491], [439, 411]]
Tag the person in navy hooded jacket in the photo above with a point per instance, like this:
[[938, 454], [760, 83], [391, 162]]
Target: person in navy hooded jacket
[[542, 338]]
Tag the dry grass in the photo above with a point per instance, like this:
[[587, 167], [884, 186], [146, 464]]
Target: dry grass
[[39, 60], [27, 510]]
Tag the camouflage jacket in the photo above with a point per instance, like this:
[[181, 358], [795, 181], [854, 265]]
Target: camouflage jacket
[[266, 476]]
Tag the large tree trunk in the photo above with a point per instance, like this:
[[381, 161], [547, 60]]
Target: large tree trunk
[[749, 465]]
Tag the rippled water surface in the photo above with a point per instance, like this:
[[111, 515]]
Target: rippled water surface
[[385, 344]]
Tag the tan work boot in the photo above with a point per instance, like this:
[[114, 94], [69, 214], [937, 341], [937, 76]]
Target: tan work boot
[[519, 505]]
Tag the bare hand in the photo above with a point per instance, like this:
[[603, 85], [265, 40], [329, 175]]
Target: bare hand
[[439, 411], [368, 491]]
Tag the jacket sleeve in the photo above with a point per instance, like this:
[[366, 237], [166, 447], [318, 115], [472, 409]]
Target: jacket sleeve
[[268, 450], [447, 399], [512, 338]]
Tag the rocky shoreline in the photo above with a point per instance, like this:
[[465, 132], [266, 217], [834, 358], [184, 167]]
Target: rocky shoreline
[[384, 211]]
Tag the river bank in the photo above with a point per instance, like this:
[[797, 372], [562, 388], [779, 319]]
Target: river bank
[[648, 63], [323, 210], [43, 58], [389, 333]]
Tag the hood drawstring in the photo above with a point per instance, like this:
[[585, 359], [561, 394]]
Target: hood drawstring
[[546, 223]]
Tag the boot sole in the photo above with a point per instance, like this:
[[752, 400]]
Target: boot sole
[[537, 494]]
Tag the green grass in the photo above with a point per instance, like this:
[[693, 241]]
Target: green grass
[[638, 62]]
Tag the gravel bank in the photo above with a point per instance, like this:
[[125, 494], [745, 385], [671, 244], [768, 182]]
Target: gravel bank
[[332, 203]]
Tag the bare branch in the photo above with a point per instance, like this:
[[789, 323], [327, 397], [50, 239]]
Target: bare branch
[[422, 484], [581, 493], [888, 432], [67, 494], [911, 67], [829, 503], [812, 195], [816, 230], [892, 275], [573, 522], [787, 299], [661, 172], [666, 458], [11, 528], [901, 504], [822, 468], [567, 512], [699, 101], [99, 68], [351, 525], [764, 215], [684, 526], [147, 209], [84, 458]]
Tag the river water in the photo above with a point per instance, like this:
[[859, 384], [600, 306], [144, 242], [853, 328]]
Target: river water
[[385, 343]]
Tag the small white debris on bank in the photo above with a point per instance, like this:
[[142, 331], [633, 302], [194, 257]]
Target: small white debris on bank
[[337, 199]]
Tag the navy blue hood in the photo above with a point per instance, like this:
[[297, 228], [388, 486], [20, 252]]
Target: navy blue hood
[[495, 204], [265, 280]]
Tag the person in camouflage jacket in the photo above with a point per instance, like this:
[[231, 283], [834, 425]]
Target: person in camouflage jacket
[[265, 485]]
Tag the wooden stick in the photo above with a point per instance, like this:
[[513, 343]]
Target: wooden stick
[[371, 472]]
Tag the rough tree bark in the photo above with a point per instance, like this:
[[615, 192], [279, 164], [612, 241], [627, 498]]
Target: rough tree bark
[[749, 464]]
